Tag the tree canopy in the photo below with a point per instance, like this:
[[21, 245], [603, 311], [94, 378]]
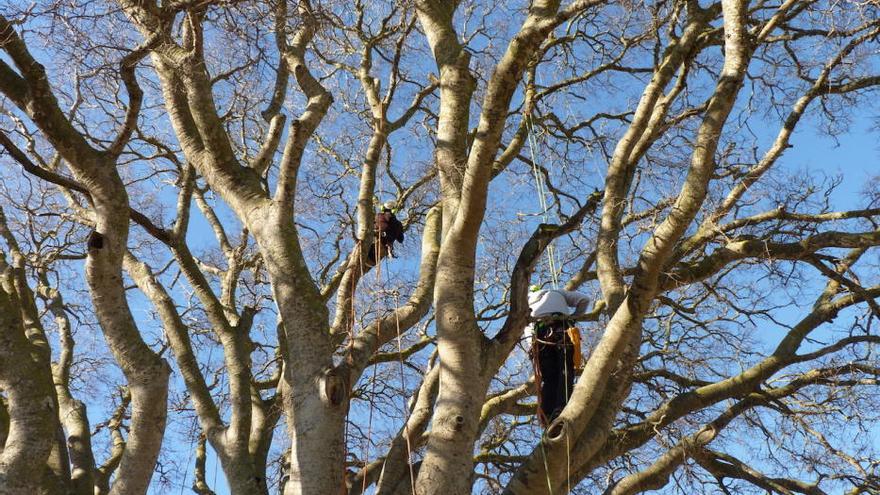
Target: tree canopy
[[187, 212]]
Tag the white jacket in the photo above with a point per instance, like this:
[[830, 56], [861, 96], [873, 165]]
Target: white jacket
[[548, 302], [565, 302]]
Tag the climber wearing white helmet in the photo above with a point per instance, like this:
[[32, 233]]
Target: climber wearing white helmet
[[556, 346]]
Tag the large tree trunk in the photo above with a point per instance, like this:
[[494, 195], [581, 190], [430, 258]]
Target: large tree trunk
[[449, 461], [315, 397]]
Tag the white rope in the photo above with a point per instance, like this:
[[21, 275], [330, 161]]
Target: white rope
[[541, 188]]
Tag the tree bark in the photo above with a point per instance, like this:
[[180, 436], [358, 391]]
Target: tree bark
[[30, 404]]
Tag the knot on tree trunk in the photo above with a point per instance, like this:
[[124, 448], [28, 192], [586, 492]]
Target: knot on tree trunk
[[96, 240], [334, 387], [459, 423]]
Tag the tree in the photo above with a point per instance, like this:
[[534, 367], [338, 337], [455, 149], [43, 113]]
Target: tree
[[694, 235]]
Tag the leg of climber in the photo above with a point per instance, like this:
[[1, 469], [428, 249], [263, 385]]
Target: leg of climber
[[378, 250], [543, 358], [551, 391], [552, 363], [371, 255], [387, 246]]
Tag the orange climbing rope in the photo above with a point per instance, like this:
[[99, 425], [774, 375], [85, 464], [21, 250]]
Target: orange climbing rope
[[351, 336]]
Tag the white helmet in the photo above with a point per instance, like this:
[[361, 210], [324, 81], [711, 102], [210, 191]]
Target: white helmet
[[389, 205]]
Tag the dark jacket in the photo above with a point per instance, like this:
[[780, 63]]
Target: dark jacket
[[388, 227]]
